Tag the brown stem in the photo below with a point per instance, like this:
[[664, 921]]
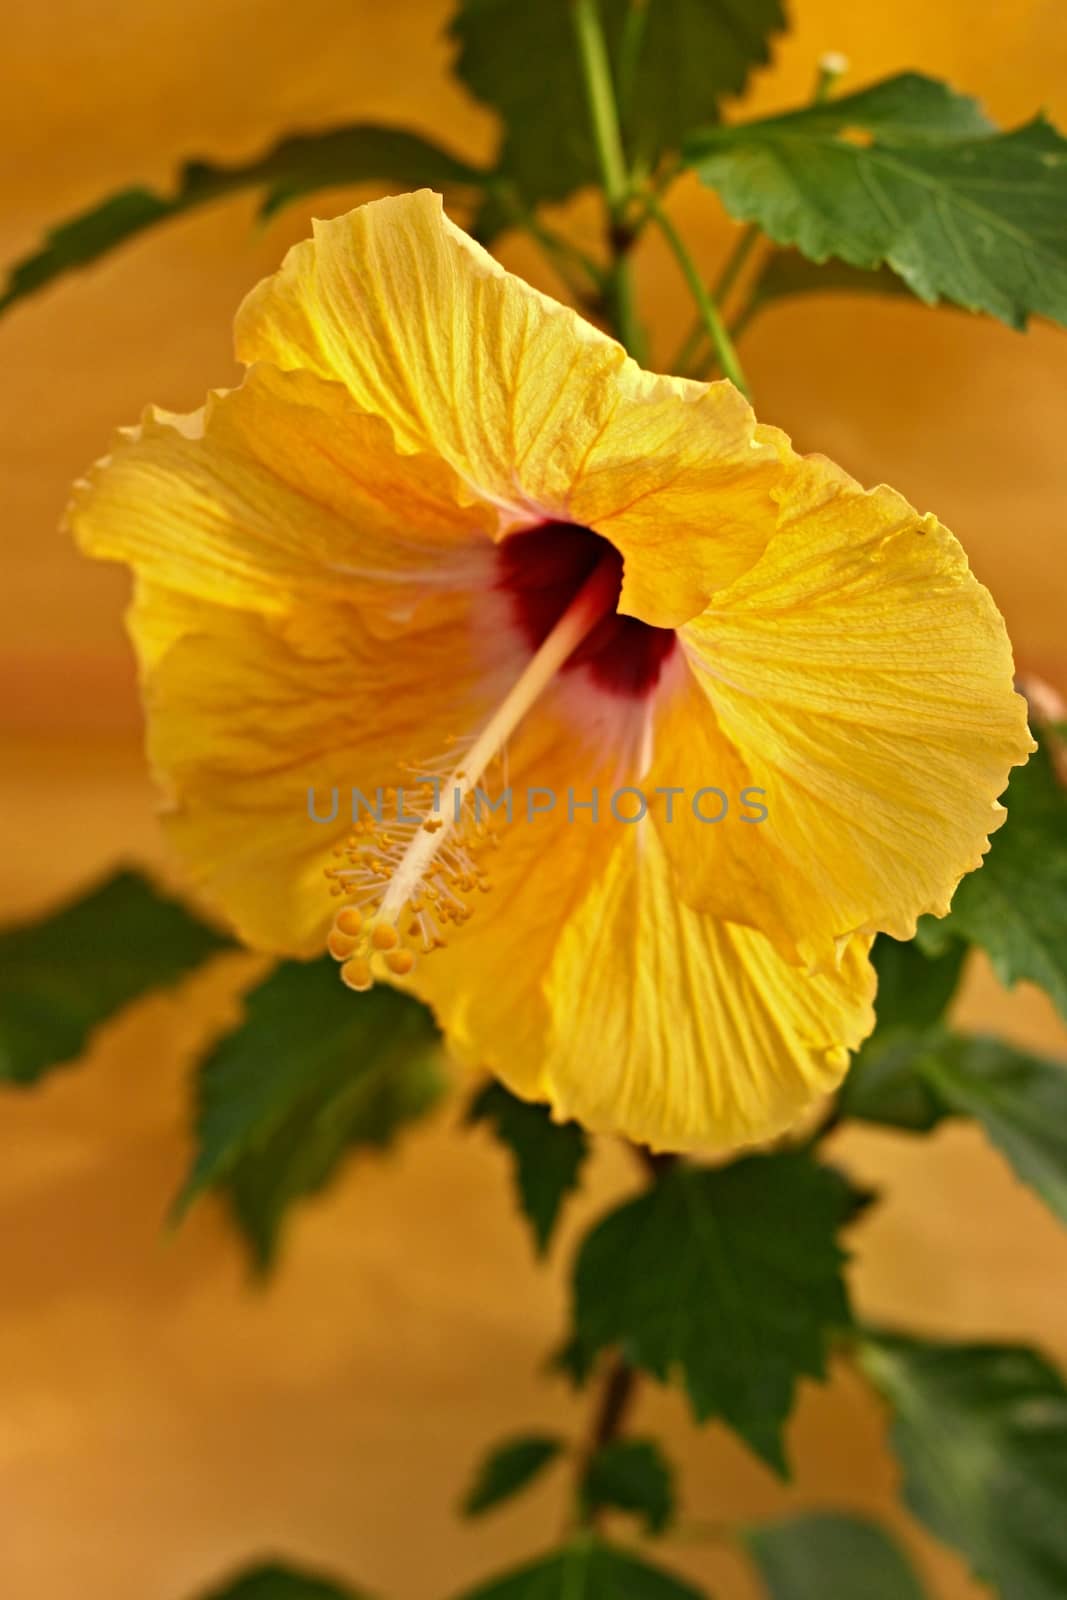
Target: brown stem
[[616, 1397], [619, 1385]]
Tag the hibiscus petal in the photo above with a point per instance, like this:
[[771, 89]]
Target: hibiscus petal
[[862, 677], [276, 494], [583, 980], [682, 1031], [538, 412], [707, 805], [246, 716], [486, 986]]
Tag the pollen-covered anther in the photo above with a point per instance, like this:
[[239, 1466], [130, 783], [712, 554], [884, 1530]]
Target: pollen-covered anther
[[416, 859], [357, 975], [404, 896], [340, 945]]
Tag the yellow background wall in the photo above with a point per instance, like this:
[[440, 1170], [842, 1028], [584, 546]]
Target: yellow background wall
[[158, 1421]]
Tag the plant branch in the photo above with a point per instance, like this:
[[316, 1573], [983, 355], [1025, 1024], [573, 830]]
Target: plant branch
[[831, 67], [727, 278], [619, 1385], [714, 326], [607, 137], [603, 115], [633, 38], [616, 1396]]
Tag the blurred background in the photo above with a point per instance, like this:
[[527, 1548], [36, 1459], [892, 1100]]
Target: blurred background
[[161, 1421]]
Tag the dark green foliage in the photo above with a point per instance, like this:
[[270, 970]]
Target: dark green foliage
[[1019, 1099], [731, 1279], [913, 1072], [297, 165], [826, 1555], [273, 1582], [886, 1083], [915, 987], [1015, 905], [64, 975], [509, 1468], [672, 61], [548, 1155], [914, 991], [631, 1475], [981, 1434], [586, 1570], [313, 1073], [909, 174]]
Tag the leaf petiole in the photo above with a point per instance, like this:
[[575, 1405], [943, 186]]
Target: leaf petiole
[[710, 316]]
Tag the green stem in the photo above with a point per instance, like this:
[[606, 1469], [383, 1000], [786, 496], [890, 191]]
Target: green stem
[[831, 68], [726, 280], [735, 264], [607, 137], [633, 37], [596, 70], [714, 326]]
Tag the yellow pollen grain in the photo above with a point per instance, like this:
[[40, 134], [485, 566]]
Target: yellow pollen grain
[[385, 937], [400, 962], [349, 921]]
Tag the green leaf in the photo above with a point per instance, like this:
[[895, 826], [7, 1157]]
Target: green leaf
[[587, 1570], [730, 1277], [826, 1554], [911, 174], [296, 166], [548, 1155], [631, 1475], [1015, 905], [981, 1434], [509, 1468], [313, 1073], [885, 1084], [1019, 1099], [687, 56], [64, 975], [573, 1360], [672, 61], [272, 1582], [914, 991], [915, 1080]]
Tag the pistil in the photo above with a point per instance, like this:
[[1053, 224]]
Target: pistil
[[436, 870]]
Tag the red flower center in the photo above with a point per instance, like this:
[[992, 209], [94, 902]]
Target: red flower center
[[542, 569]]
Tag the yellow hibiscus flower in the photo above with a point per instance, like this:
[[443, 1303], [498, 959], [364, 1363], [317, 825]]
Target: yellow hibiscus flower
[[445, 528]]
